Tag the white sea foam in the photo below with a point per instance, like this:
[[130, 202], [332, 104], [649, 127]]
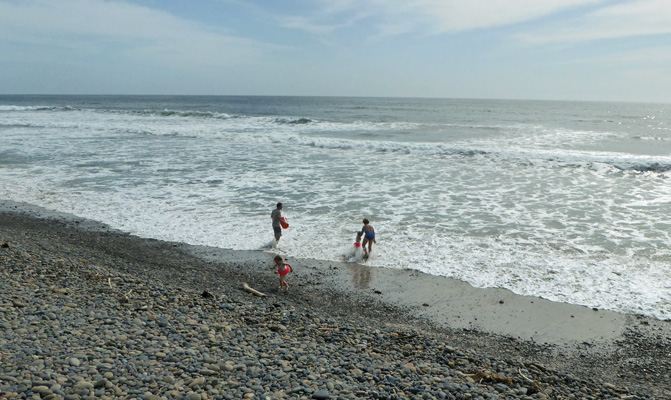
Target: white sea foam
[[523, 206], [22, 108]]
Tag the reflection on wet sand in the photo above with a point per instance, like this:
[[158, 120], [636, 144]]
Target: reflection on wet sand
[[361, 276]]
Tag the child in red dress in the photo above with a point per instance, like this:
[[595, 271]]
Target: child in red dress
[[283, 269]]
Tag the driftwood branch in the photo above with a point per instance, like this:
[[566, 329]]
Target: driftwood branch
[[488, 376], [524, 376], [534, 386], [253, 291], [123, 297]]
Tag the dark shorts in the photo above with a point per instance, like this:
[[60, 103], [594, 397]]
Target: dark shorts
[[278, 231]]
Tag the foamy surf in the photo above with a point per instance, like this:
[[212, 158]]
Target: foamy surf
[[565, 201]]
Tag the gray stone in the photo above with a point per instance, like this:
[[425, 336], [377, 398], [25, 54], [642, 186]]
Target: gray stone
[[42, 390], [193, 396], [200, 381], [83, 385], [321, 395]]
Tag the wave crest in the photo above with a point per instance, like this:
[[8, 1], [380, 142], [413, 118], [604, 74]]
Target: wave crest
[[182, 114], [290, 121], [649, 167], [32, 108]]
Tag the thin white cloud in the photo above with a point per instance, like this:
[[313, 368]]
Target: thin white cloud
[[656, 55], [326, 17], [81, 26], [460, 15], [307, 25], [588, 19], [628, 19], [395, 17]]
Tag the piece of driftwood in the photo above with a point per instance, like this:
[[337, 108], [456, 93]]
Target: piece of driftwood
[[534, 387], [488, 376], [251, 290]]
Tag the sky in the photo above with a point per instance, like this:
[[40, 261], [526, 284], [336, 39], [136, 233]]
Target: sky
[[596, 50]]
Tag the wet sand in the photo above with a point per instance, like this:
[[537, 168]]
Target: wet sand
[[458, 305]]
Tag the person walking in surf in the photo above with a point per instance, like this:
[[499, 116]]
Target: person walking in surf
[[276, 215], [368, 233]]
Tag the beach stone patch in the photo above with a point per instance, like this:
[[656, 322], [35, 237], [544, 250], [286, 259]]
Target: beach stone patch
[[109, 316]]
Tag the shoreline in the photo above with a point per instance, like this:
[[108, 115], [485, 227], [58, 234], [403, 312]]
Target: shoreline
[[456, 304], [495, 322], [445, 301]]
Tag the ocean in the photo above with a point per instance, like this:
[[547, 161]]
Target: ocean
[[569, 201]]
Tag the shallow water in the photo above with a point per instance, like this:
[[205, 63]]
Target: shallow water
[[567, 201]]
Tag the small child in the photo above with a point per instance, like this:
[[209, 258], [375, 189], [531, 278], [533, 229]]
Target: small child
[[283, 269], [357, 243], [369, 236]]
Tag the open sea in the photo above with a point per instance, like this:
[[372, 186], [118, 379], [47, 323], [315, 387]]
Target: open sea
[[570, 201]]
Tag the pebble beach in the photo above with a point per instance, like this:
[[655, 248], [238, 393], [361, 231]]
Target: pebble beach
[[87, 312]]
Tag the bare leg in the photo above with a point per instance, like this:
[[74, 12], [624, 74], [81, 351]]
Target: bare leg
[[363, 246]]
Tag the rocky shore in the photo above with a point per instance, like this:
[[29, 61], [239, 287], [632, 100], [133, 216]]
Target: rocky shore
[[90, 313]]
